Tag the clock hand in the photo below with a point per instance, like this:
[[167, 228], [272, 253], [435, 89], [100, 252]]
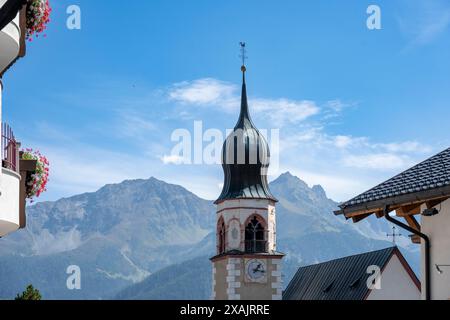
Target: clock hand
[[258, 269]]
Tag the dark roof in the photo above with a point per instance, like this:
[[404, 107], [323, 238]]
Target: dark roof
[[340, 279], [429, 177], [9, 10], [245, 159]]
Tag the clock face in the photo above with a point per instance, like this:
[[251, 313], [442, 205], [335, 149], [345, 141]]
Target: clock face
[[256, 270]]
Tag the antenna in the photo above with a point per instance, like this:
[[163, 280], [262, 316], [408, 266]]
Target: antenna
[[394, 235], [243, 55]]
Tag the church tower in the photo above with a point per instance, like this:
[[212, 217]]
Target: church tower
[[247, 265]]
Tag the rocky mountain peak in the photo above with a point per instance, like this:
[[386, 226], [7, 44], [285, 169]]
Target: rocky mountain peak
[[319, 191], [289, 180]]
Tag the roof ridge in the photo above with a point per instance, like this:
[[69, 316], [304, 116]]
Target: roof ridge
[[352, 256]]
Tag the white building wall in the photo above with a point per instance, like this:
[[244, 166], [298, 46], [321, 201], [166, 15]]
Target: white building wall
[[9, 180], [9, 193], [9, 41], [437, 228], [9, 202], [396, 284], [236, 212]]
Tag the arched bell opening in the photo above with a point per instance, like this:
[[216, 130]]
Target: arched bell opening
[[255, 235]]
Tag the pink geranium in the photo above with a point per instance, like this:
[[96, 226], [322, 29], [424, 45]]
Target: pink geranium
[[38, 16], [38, 182]]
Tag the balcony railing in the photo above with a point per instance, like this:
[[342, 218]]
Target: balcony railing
[[9, 149], [255, 246]]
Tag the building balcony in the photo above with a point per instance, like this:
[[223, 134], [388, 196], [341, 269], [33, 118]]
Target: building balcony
[[12, 40], [9, 183], [13, 177]]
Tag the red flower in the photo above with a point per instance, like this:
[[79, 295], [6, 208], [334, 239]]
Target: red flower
[[38, 182], [38, 16]]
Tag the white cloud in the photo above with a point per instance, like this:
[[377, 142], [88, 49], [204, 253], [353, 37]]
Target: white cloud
[[337, 105], [224, 96], [80, 169], [135, 122], [432, 28], [316, 135], [424, 21], [338, 186], [334, 108], [344, 165], [342, 141], [172, 159], [282, 111], [407, 146], [203, 92], [380, 161], [319, 139]]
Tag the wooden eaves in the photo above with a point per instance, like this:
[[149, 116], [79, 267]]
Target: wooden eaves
[[406, 206]]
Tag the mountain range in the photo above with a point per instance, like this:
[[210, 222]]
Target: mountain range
[[142, 239]]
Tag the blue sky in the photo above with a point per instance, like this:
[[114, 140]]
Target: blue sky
[[354, 106]]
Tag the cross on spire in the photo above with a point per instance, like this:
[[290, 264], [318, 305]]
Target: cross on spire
[[394, 235], [243, 55]]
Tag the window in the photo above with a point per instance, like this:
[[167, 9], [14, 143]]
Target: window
[[254, 236], [221, 237]]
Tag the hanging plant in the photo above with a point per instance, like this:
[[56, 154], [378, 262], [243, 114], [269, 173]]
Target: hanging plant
[[37, 182], [38, 16]]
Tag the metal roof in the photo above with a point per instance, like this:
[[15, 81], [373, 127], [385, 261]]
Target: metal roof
[[245, 175], [429, 176], [340, 279]]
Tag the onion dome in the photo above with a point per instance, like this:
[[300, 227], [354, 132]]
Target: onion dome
[[245, 158]]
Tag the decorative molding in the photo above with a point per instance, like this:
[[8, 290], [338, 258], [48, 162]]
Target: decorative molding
[[271, 202], [242, 208], [250, 256]]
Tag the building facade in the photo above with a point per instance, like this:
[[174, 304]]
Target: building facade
[[14, 171], [423, 190], [437, 228], [378, 275]]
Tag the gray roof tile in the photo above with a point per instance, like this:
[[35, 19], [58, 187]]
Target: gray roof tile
[[429, 174]]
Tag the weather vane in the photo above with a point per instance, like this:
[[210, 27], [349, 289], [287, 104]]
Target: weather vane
[[243, 55], [394, 234]]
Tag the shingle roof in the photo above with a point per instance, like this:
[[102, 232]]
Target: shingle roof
[[340, 279], [430, 174]]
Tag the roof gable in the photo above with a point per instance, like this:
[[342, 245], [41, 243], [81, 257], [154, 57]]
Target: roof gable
[[340, 279]]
